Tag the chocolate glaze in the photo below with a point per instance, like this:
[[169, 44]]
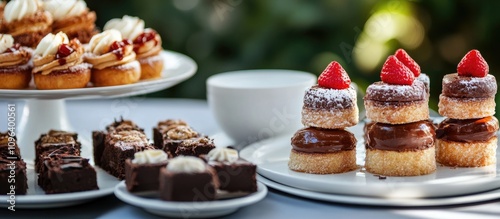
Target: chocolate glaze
[[468, 130], [318, 97], [314, 140], [469, 87], [404, 137], [381, 91]]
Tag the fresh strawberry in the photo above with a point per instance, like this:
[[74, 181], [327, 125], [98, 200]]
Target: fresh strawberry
[[395, 72], [408, 61], [334, 76], [473, 64]]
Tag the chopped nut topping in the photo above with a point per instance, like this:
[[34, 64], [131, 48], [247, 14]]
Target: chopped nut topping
[[181, 132]]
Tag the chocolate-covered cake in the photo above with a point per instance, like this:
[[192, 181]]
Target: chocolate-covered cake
[[67, 173], [142, 173], [235, 174], [468, 137], [188, 179], [55, 142]]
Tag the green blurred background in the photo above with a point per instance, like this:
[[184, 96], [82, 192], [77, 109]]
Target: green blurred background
[[226, 35]]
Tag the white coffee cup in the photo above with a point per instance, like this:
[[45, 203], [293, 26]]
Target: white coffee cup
[[253, 105]]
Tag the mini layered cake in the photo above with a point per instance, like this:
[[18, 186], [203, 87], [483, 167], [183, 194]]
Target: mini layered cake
[[67, 173], [188, 179], [142, 173], [400, 141], [99, 137], [15, 64], [55, 142], [324, 146], [120, 146], [468, 137], [11, 162], [235, 174], [147, 44]]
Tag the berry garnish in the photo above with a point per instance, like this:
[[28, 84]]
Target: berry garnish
[[14, 48], [119, 44], [64, 51], [334, 76], [395, 72], [145, 37], [473, 64], [408, 61]]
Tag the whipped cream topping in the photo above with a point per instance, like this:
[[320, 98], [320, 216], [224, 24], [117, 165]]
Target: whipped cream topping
[[50, 44], [130, 27], [186, 164], [108, 49], [100, 43], [6, 42], [18, 9], [61, 9], [223, 155], [150, 157]]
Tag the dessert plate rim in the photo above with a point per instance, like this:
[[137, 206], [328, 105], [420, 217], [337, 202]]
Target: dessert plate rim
[[271, 156], [105, 181], [190, 209]]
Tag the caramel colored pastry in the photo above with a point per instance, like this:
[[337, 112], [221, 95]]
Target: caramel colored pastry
[[467, 143], [396, 104], [113, 59], [323, 151], [15, 65], [58, 63], [2, 8], [26, 21], [466, 97], [73, 18], [400, 150], [147, 44]]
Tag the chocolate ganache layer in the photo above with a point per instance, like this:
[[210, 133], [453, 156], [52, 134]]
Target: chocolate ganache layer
[[468, 130], [327, 98], [381, 91], [469, 87], [405, 137], [314, 140]]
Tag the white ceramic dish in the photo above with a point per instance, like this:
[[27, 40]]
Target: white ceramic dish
[[272, 157], [177, 68], [36, 197], [389, 202], [189, 209]]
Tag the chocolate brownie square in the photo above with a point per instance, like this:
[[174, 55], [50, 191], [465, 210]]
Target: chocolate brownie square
[[195, 147], [169, 138], [143, 177], [13, 179], [8, 146], [66, 173], [54, 140]]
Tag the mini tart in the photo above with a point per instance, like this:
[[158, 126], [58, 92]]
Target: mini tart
[[323, 151], [400, 150], [29, 31], [62, 73], [81, 27], [466, 97], [330, 108], [15, 69], [467, 143], [396, 104], [147, 46]]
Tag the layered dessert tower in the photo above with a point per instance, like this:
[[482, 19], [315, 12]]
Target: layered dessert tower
[[324, 146], [468, 137], [400, 141]]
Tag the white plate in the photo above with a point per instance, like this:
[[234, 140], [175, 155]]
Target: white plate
[[390, 202], [272, 155], [177, 68], [36, 197], [190, 209]]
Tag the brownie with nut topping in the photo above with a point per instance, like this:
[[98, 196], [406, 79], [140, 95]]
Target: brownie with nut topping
[[195, 147], [169, 134], [12, 167], [56, 142]]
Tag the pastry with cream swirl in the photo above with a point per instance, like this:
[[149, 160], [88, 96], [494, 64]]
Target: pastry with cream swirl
[[72, 17], [147, 44], [113, 60], [15, 64], [27, 21], [58, 63]]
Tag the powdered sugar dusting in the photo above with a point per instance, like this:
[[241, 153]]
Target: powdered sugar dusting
[[80, 67], [464, 86], [381, 91], [151, 59], [128, 66], [321, 98]]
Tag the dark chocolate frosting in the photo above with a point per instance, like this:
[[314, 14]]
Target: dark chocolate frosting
[[469, 87], [327, 98], [404, 137], [314, 140], [468, 130], [381, 91]]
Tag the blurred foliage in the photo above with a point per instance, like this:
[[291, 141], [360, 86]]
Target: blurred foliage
[[226, 35]]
